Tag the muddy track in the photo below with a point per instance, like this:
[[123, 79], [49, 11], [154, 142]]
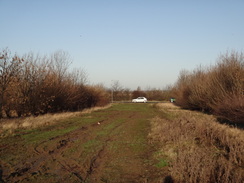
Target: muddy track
[[112, 148]]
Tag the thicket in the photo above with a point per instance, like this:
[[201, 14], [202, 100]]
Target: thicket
[[218, 89], [34, 84]]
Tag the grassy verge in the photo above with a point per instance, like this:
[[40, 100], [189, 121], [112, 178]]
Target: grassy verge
[[13, 126]]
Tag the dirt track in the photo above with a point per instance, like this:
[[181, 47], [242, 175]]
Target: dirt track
[[109, 145]]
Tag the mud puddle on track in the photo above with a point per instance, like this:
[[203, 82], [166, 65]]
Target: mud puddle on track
[[104, 146]]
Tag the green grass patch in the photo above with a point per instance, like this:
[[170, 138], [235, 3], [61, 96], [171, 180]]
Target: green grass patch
[[89, 149], [82, 120], [90, 145], [139, 141], [162, 163], [58, 129], [108, 129], [129, 107], [38, 136]]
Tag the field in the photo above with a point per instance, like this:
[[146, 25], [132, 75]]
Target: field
[[124, 143]]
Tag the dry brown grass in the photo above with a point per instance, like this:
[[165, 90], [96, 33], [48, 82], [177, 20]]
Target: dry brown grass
[[198, 148], [9, 125]]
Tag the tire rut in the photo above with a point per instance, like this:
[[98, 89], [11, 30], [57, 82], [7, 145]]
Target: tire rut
[[48, 152], [69, 158], [95, 161]]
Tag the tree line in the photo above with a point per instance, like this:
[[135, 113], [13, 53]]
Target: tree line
[[119, 93], [32, 84]]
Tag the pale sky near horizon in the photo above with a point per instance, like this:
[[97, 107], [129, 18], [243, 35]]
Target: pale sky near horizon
[[136, 42]]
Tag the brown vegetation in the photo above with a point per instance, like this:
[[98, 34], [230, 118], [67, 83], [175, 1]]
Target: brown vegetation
[[198, 148], [218, 89], [33, 85], [153, 94], [118, 93]]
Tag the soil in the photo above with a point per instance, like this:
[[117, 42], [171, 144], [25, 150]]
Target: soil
[[109, 145]]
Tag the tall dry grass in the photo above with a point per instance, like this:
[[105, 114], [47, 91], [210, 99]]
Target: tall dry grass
[[8, 126], [199, 149], [217, 89]]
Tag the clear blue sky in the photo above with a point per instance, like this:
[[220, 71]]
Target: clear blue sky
[[142, 43]]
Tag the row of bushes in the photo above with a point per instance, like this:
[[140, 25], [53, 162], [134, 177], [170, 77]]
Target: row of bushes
[[217, 89], [33, 85], [123, 94], [152, 94]]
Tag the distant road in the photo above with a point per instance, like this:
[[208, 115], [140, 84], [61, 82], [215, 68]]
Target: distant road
[[147, 102]]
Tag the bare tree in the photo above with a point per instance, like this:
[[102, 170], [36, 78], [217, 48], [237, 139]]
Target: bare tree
[[116, 86], [9, 70], [33, 81], [60, 62], [78, 76], [116, 89]]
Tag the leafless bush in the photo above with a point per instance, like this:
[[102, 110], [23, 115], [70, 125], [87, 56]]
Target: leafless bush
[[34, 84], [158, 94], [10, 67], [98, 96], [218, 89], [119, 93]]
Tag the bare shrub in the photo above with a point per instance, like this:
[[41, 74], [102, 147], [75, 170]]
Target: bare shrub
[[97, 96], [34, 85], [10, 66], [181, 90], [158, 94], [218, 89], [229, 77]]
